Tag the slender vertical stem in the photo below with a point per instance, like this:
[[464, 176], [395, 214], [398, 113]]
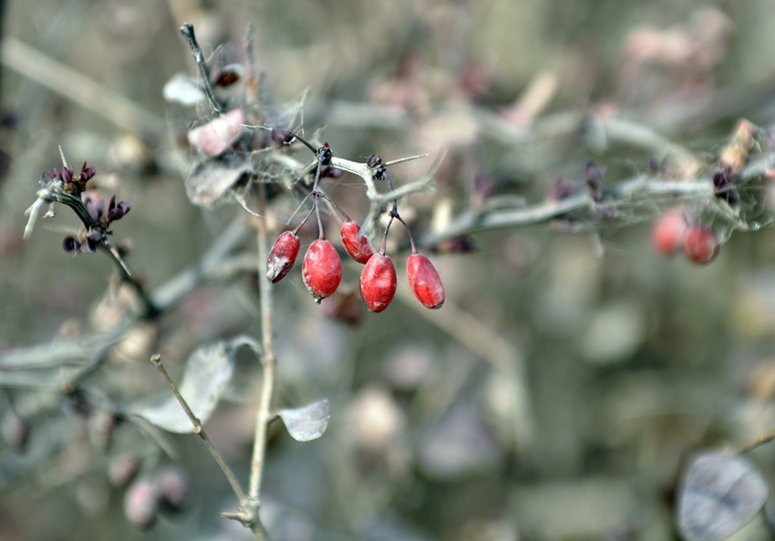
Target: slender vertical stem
[[263, 416]]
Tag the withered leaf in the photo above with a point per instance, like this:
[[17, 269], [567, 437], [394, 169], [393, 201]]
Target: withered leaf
[[307, 422], [719, 494], [212, 178], [208, 372]]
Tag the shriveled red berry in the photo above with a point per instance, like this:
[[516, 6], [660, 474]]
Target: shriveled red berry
[[282, 256], [668, 233], [322, 269], [424, 281], [378, 282], [700, 244], [355, 242]]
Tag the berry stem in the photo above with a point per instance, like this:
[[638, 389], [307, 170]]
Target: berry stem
[[304, 221], [337, 207], [384, 238]]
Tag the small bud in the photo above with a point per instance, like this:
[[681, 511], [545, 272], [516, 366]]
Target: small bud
[[281, 137], [424, 281], [282, 256], [228, 75], [122, 470], [173, 491], [378, 282], [15, 431], [355, 242], [141, 504], [69, 243], [322, 269]]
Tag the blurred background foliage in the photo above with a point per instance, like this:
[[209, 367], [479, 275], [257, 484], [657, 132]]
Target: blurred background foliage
[[558, 391]]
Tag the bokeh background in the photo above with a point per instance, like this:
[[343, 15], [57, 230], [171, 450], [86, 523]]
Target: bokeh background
[[572, 370]]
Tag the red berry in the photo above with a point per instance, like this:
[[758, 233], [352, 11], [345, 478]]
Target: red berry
[[424, 281], [355, 242], [282, 256], [700, 244], [378, 282], [668, 233], [322, 269]]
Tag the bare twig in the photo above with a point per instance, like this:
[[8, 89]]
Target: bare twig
[[188, 32], [640, 188], [199, 430], [78, 88]]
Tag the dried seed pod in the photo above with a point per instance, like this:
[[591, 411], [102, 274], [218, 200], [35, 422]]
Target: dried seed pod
[[282, 256], [141, 503], [322, 269], [378, 282], [424, 281], [355, 242], [700, 244], [668, 234]]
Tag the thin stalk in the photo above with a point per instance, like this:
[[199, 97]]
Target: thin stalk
[[263, 415], [188, 32]]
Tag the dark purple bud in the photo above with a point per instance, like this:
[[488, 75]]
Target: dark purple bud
[[87, 172], [593, 175], [561, 190], [331, 172], [48, 176], [119, 211], [66, 174], [720, 181], [373, 160], [69, 243], [281, 137], [325, 154], [100, 208]]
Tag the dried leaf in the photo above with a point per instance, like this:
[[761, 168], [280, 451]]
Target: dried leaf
[[208, 372], [307, 422], [183, 89], [215, 137], [719, 495], [212, 179]]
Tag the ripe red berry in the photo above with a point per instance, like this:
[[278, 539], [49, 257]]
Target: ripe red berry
[[322, 269], [668, 233], [378, 282], [355, 242], [424, 281], [282, 256], [700, 244]]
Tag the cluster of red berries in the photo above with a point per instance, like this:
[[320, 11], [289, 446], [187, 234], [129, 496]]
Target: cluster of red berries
[[672, 233], [322, 269]]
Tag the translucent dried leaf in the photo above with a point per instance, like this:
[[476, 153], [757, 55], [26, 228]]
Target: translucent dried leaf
[[719, 495], [184, 90], [307, 422], [208, 372], [215, 137], [212, 178]]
